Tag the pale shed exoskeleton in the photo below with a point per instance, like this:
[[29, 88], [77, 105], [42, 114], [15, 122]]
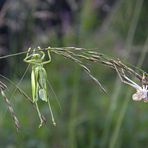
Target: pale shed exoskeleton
[[141, 91]]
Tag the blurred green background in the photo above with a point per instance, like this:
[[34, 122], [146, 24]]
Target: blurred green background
[[88, 118]]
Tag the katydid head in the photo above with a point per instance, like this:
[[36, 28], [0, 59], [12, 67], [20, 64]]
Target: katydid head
[[37, 56]]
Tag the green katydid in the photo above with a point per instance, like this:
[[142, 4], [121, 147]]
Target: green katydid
[[36, 57]]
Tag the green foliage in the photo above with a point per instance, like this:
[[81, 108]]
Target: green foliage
[[88, 117]]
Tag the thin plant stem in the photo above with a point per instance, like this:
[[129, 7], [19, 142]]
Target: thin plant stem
[[125, 104], [118, 86], [114, 138], [73, 111], [13, 54]]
